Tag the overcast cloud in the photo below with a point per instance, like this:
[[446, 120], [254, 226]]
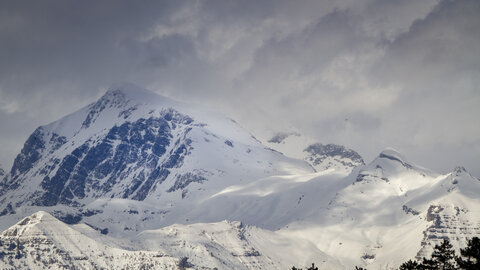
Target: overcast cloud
[[364, 73]]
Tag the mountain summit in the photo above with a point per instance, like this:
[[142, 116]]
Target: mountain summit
[[323, 157], [135, 145]]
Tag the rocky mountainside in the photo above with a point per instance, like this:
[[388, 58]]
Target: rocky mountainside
[[135, 146], [332, 156], [320, 156], [40, 241], [138, 180]]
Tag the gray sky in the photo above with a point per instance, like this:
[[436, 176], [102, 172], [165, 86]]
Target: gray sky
[[364, 73]]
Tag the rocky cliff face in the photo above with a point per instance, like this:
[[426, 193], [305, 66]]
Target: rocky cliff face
[[134, 145], [320, 156], [332, 156]]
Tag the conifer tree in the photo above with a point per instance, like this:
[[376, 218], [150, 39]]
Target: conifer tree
[[410, 265], [469, 258], [313, 267], [443, 257]]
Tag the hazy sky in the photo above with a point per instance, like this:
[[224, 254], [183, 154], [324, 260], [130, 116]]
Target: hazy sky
[[364, 73]]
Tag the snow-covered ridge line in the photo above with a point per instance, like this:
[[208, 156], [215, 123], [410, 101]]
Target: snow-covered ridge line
[[135, 145], [40, 241], [155, 180]]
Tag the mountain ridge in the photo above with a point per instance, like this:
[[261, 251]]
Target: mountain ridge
[[132, 144], [134, 163]]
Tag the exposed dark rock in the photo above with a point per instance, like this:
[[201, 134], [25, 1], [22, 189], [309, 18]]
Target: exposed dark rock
[[186, 179], [30, 153], [281, 136], [393, 158], [113, 98], [318, 153], [92, 169], [409, 210], [68, 218], [333, 150], [8, 210]]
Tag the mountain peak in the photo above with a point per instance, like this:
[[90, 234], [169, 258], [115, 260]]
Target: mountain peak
[[394, 155], [333, 150], [390, 163], [130, 91], [325, 156], [461, 171], [124, 99], [35, 218], [23, 226], [128, 88]]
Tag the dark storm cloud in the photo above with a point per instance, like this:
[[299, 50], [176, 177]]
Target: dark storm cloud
[[68, 40], [437, 66], [365, 73], [442, 45]]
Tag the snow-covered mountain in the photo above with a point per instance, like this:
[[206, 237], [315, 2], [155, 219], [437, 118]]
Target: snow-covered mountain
[[40, 241], [133, 147], [324, 157], [321, 156], [145, 181], [392, 210]]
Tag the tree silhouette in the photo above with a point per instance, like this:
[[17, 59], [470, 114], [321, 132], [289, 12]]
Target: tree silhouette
[[443, 257], [471, 254], [410, 265], [313, 267]]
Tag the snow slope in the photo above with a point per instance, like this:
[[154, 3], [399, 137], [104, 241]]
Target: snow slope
[[320, 156], [381, 215], [42, 242], [151, 181], [392, 212], [133, 147]]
